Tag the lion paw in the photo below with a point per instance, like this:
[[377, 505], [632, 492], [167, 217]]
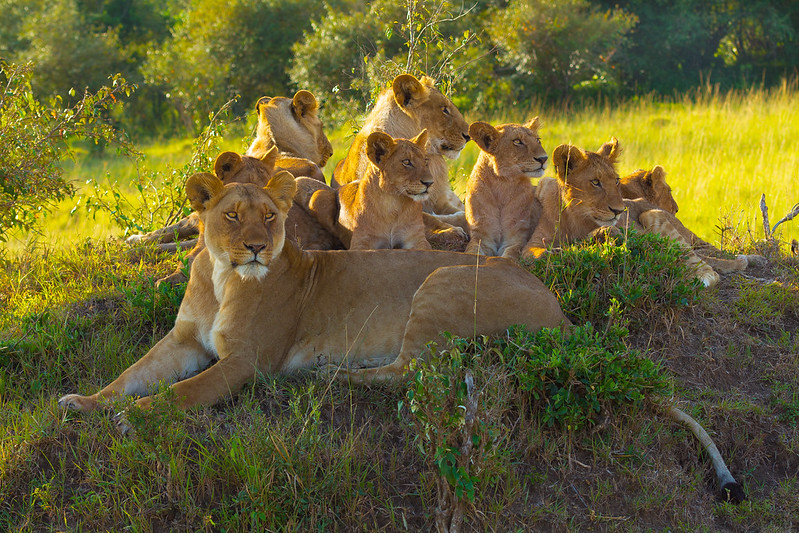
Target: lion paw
[[605, 233], [135, 239], [76, 402], [709, 277], [122, 424]]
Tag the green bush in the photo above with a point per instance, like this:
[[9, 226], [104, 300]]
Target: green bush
[[639, 277], [35, 140]]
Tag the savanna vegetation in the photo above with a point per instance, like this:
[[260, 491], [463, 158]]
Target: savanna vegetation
[[525, 432]]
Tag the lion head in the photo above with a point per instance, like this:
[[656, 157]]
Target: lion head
[[589, 183], [515, 150], [244, 222], [651, 186], [231, 167], [447, 130], [291, 124], [403, 164]]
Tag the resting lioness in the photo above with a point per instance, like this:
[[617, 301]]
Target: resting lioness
[[259, 304], [585, 201]]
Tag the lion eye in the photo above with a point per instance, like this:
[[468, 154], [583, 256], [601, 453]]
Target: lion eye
[[618, 181], [445, 110], [596, 183], [232, 215], [407, 162], [518, 142], [269, 217]]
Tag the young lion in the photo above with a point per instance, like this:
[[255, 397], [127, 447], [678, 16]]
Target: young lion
[[651, 186], [289, 137], [383, 209], [586, 201], [292, 124], [403, 111], [257, 303], [500, 199]]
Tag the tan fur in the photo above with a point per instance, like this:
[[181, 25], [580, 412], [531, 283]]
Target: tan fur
[[293, 125], [585, 202], [403, 111], [289, 134], [500, 198], [257, 303], [651, 186], [384, 208]]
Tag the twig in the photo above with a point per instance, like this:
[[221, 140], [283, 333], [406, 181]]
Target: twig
[[790, 216], [764, 210]]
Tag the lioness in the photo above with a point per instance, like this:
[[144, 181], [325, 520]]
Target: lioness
[[257, 303], [293, 125], [585, 201], [404, 110], [500, 198], [289, 137]]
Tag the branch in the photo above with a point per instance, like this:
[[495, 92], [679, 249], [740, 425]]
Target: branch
[[790, 216], [764, 210]]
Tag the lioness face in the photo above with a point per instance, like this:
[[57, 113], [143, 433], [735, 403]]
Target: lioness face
[[650, 185], [589, 181], [294, 126], [514, 149], [243, 222], [403, 164], [448, 131]]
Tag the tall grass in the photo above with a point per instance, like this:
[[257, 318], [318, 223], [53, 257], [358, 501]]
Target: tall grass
[[721, 151]]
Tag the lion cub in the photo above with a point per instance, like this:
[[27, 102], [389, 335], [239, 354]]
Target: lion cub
[[384, 208], [585, 201], [500, 198]]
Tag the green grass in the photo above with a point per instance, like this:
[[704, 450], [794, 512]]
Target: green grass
[[299, 452]]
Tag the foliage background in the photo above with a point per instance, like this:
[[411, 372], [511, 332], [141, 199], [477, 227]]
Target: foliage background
[[189, 57]]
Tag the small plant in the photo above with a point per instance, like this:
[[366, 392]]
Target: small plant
[[156, 305], [574, 375], [449, 418], [643, 274], [160, 198]]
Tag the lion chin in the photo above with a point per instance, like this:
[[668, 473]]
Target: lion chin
[[252, 270]]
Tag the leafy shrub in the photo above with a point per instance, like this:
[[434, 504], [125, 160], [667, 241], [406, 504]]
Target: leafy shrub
[[34, 142], [161, 196], [637, 277], [463, 399]]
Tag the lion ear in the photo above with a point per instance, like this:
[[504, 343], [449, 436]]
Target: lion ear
[[533, 124], [201, 188], [262, 101], [226, 165], [304, 102], [610, 149], [281, 188], [378, 145], [421, 139], [484, 135], [656, 175], [566, 158], [270, 157], [408, 90]]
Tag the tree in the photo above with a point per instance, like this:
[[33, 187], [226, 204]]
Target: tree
[[563, 45]]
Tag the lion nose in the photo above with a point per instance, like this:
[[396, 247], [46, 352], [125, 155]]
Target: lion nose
[[427, 183], [255, 248], [616, 212], [542, 159], [466, 136]]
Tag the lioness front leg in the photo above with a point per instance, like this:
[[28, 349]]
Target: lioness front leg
[[168, 361], [467, 301]]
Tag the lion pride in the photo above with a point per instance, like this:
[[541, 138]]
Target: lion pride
[[585, 201], [257, 303]]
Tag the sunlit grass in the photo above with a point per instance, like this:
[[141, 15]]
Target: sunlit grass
[[721, 151]]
